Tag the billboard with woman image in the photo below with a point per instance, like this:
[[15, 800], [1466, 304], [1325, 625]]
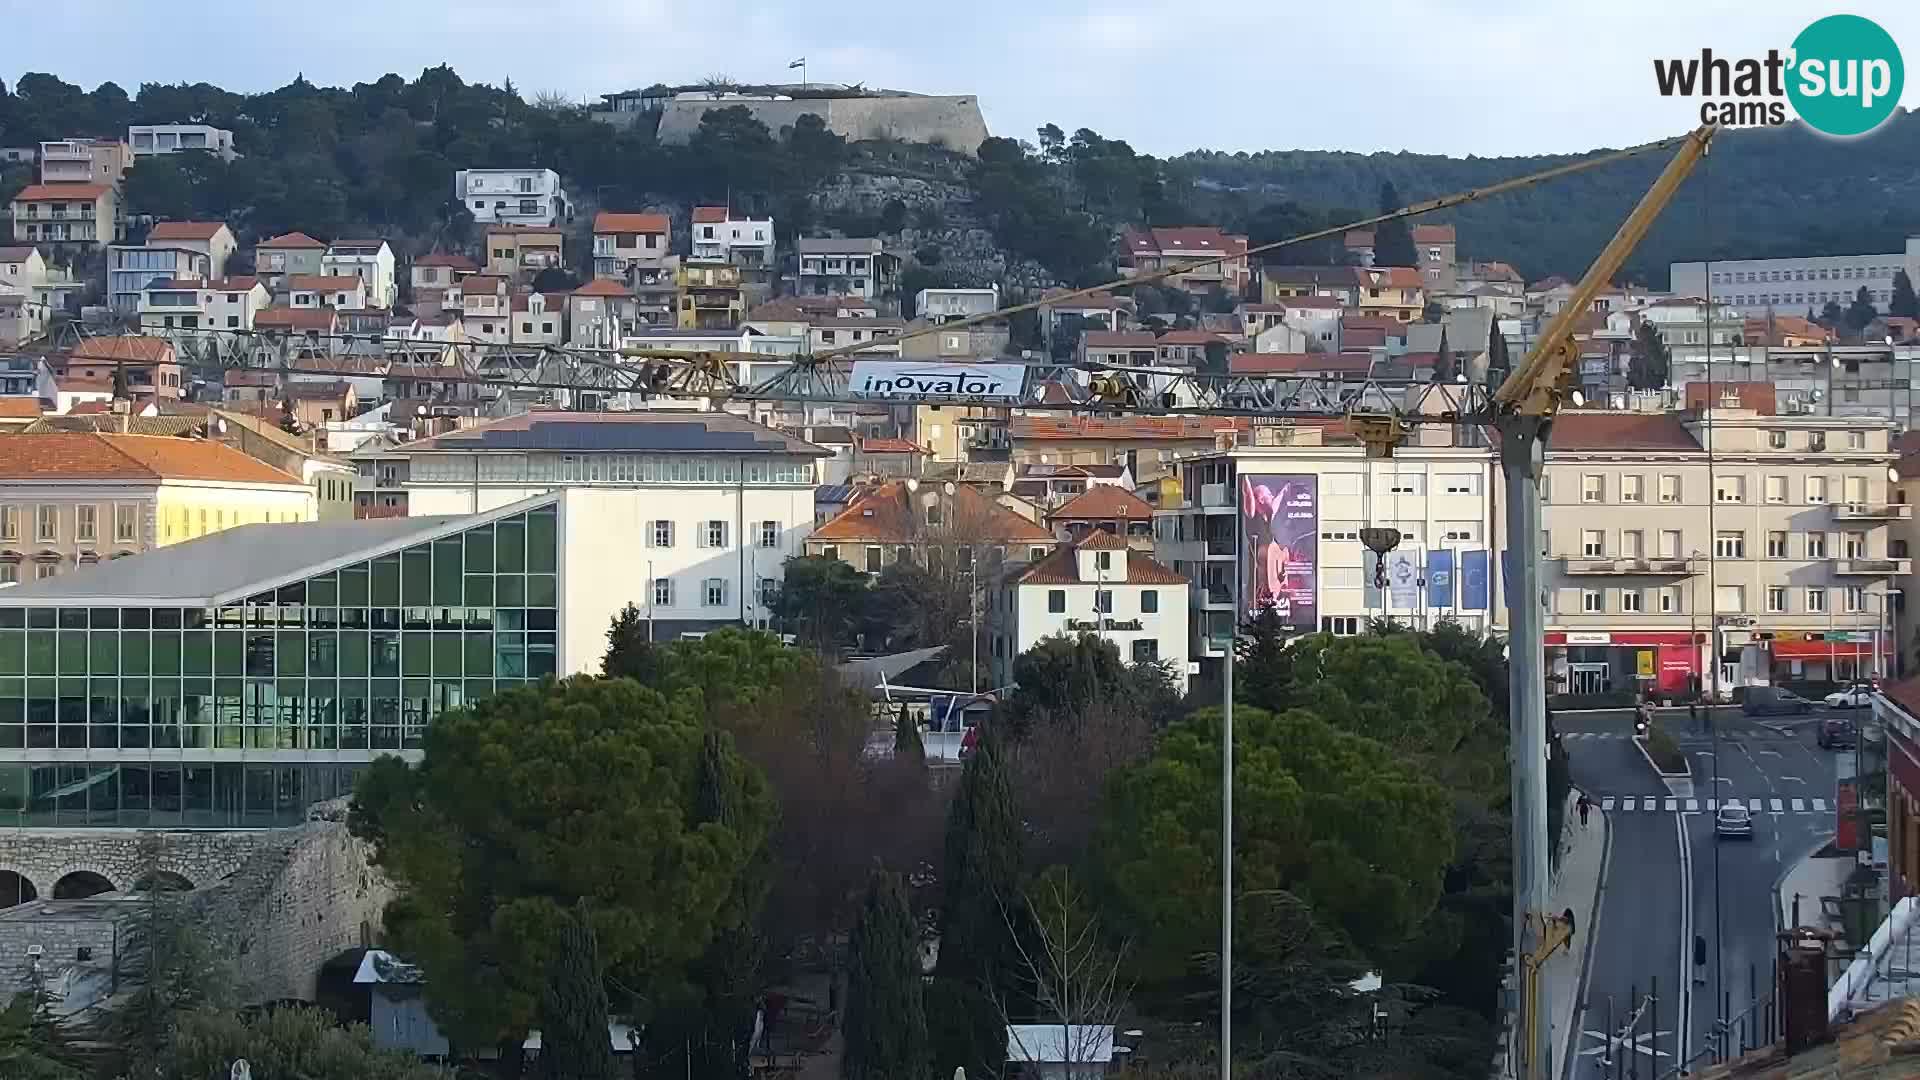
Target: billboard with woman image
[[1280, 538]]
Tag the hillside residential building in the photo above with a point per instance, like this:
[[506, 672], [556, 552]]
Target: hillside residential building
[[1097, 586], [69, 499], [1097, 311], [22, 319], [710, 295], [211, 238], [1791, 286], [1435, 247], [947, 305], [850, 267], [696, 512], [276, 259], [148, 140], [1801, 538], [745, 241], [21, 269], [1279, 284], [1108, 508], [932, 526], [1358, 244], [369, 260], [132, 267], [1148, 445], [625, 242], [85, 161], [519, 252], [152, 366], [513, 196], [1325, 490], [1148, 251], [440, 270], [1399, 291], [343, 292], [62, 215], [539, 318], [192, 304], [599, 314]]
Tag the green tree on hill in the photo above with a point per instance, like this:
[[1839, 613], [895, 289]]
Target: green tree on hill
[[1903, 303], [886, 1026], [1393, 240]]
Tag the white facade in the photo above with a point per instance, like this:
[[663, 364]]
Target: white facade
[[742, 241], [148, 140], [940, 305], [1145, 621], [513, 196], [538, 319], [369, 260], [1791, 286], [203, 305]]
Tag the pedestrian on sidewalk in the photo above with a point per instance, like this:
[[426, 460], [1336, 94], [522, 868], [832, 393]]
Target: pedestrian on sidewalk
[[1693, 713], [1585, 806]]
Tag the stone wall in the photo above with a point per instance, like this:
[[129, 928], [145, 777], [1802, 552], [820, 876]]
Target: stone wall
[[44, 856], [952, 122]]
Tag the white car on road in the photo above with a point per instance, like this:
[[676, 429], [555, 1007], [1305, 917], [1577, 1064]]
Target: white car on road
[[1853, 697]]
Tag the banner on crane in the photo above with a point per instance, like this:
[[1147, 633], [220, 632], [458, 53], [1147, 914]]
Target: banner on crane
[[907, 381]]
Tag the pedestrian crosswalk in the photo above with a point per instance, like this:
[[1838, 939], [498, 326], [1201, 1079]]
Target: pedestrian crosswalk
[[1671, 804], [1727, 732]]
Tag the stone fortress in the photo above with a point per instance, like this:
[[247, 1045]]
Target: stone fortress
[[950, 121]]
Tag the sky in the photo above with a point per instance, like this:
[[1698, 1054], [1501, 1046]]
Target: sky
[[1487, 78]]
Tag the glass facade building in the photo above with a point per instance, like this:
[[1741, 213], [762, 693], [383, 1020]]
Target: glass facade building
[[241, 714]]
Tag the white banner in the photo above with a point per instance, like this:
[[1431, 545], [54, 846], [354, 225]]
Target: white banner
[[1403, 577], [906, 381]]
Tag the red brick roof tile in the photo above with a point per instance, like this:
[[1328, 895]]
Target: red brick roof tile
[[145, 350], [185, 230], [292, 240], [1103, 502], [1063, 568], [449, 259], [323, 282], [707, 215], [1757, 396], [1124, 427], [95, 456], [1575, 430], [607, 221], [891, 514], [1433, 234], [59, 192]]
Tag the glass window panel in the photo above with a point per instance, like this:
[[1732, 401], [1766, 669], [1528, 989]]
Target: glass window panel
[[510, 546], [229, 652], [166, 652], [259, 795], [510, 591], [416, 576], [103, 713], [72, 716], [353, 653], [228, 714], [386, 654], [479, 542], [540, 655], [323, 717], [170, 618], [196, 784], [386, 582], [42, 646], [416, 656], [104, 648], [72, 618], [479, 648], [167, 795], [446, 655], [290, 653], [353, 716], [260, 654], [136, 652], [448, 572], [292, 595], [198, 652], [353, 586], [542, 540], [323, 652], [384, 733], [479, 590], [104, 618], [416, 708], [13, 652], [41, 714], [135, 618], [73, 652], [509, 654], [323, 591], [166, 713], [41, 618], [542, 590], [136, 794]]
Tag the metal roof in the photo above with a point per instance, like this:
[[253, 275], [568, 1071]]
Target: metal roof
[[658, 432], [232, 564]]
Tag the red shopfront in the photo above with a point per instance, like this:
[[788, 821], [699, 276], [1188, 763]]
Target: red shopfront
[[1612, 661], [1807, 656]]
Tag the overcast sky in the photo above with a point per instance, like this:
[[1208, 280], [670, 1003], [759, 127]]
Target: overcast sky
[[1490, 77]]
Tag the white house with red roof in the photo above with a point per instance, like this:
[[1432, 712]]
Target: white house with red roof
[[1152, 250], [743, 240], [1099, 586], [211, 238], [622, 242], [440, 269]]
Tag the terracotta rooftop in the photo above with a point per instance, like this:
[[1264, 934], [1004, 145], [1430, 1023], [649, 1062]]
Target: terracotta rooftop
[[602, 287], [1103, 502], [292, 240], [1392, 277], [607, 221], [145, 350], [1118, 339], [291, 318], [869, 444], [1127, 427], [1188, 240], [891, 514], [323, 282], [1433, 234], [708, 215], [19, 408], [93, 456], [61, 192], [1358, 238], [1576, 430], [1757, 396], [1063, 566], [185, 230], [450, 259], [243, 283]]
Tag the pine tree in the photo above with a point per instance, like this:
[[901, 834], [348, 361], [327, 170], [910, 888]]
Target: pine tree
[[1392, 240], [631, 653], [978, 955], [886, 1027], [1497, 363], [1904, 303], [1262, 666], [1861, 311], [1651, 361], [573, 1007], [1444, 367]]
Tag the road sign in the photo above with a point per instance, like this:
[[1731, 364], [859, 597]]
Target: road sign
[[1645, 658]]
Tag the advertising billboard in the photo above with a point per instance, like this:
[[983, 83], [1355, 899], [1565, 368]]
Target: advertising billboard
[[910, 381], [1280, 545]]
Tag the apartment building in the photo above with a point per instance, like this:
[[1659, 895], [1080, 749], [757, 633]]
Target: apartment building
[[1716, 549], [856, 266], [151, 365], [624, 242], [1793, 285], [211, 238], [168, 305], [276, 259], [1096, 586], [1276, 516], [519, 252], [440, 270], [71, 499], [85, 161], [1435, 246], [369, 260], [513, 196], [150, 140], [744, 240], [1867, 382], [947, 305], [710, 295], [1148, 251], [61, 215], [133, 267], [943, 524], [1148, 445]]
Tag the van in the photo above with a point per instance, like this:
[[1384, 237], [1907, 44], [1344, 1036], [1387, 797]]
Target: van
[[1773, 701]]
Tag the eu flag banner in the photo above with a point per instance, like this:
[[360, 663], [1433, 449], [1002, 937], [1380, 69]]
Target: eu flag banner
[[1440, 579], [1473, 581]]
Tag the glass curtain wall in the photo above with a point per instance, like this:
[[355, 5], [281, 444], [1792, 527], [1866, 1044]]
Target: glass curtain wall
[[242, 716]]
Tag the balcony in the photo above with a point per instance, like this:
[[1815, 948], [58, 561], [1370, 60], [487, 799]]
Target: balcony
[[1221, 547], [1589, 565], [1216, 598], [1217, 497], [1872, 512], [1872, 567]]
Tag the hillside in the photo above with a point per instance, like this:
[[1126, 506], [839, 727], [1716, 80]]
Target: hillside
[[1761, 192]]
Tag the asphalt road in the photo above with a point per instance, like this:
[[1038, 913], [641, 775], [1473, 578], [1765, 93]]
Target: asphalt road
[[1669, 878]]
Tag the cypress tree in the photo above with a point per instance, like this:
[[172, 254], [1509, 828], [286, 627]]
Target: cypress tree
[[979, 962], [886, 1027], [1497, 363], [906, 738], [1903, 302], [573, 1007], [1392, 240]]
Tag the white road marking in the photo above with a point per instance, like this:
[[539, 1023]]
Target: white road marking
[[1606, 803], [1768, 753], [1753, 805], [1724, 779], [1791, 780], [1774, 805], [1673, 804], [1693, 805], [1713, 804], [1799, 806], [1819, 804]]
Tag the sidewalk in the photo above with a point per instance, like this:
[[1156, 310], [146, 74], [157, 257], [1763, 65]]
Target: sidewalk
[[1576, 884], [1811, 878]]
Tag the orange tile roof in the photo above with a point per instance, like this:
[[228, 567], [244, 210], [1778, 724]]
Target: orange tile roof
[[185, 230], [323, 282], [449, 259], [95, 456], [59, 192], [1127, 427], [146, 350], [19, 408], [1101, 540], [869, 444], [1118, 339], [242, 283], [1433, 234], [1393, 277], [888, 515], [607, 221], [1758, 396], [707, 215], [291, 318], [602, 287], [1104, 501], [1063, 567], [291, 240], [1620, 431], [1359, 238]]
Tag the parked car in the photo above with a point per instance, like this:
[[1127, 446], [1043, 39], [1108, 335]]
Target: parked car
[[1734, 823], [1773, 701], [1836, 732], [1857, 696]]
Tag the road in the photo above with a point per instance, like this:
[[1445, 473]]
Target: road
[[1670, 879]]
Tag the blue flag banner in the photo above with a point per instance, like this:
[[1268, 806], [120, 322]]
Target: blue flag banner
[[1473, 581], [1506, 580], [1440, 579]]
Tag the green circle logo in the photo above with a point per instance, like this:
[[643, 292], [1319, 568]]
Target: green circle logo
[[1846, 75]]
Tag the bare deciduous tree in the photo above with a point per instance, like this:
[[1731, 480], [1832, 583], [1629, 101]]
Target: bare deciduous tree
[[1074, 979]]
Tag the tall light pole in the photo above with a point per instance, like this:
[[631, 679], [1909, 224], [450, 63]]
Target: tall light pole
[[1226, 795]]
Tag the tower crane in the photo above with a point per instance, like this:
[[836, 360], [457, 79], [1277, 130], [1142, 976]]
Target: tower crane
[[1380, 414]]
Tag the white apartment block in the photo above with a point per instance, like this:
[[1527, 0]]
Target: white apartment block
[[369, 260], [220, 304], [1666, 569], [148, 140], [1791, 286], [513, 196], [944, 305], [692, 516], [743, 241], [1097, 587], [1437, 497]]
